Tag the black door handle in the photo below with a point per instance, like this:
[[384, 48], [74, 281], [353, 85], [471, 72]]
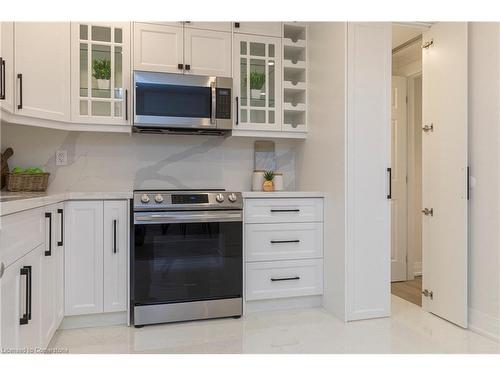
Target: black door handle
[[20, 77], [2, 79], [61, 212], [285, 278], [24, 319], [114, 236], [126, 105], [389, 196], [48, 252], [237, 110]]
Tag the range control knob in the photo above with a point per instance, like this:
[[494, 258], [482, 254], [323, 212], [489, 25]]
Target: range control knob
[[232, 197], [159, 198], [219, 198], [145, 198]]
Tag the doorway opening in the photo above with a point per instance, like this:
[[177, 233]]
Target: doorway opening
[[406, 163]]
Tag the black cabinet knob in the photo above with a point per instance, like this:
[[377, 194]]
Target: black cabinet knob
[[180, 66], [237, 25], [188, 67]]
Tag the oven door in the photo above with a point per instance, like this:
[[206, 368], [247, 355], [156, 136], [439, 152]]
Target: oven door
[[174, 100], [187, 256]]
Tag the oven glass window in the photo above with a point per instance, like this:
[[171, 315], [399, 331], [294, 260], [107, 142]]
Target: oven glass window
[[186, 262], [172, 100]]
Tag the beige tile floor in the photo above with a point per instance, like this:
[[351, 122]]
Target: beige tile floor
[[408, 330]]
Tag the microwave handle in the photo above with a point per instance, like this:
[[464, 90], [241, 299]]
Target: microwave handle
[[214, 103]]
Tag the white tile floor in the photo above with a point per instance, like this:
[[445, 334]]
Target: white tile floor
[[408, 330]]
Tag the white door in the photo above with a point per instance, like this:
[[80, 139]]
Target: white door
[[258, 28], [115, 255], [207, 52], [42, 69], [7, 66], [398, 179], [444, 171], [368, 221], [158, 48], [83, 257]]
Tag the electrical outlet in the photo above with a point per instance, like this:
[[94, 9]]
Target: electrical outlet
[[61, 157]]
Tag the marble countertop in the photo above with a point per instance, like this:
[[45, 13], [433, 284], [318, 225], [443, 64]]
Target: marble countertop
[[283, 194], [11, 202]]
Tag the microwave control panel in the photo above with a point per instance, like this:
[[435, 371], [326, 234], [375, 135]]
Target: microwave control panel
[[223, 103]]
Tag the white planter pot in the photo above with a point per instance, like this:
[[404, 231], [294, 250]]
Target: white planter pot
[[103, 84], [255, 93]]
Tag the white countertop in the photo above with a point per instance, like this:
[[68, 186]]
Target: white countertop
[[11, 202], [283, 194]]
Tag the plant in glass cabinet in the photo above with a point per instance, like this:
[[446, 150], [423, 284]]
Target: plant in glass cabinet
[[257, 80], [101, 68], [268, 184]]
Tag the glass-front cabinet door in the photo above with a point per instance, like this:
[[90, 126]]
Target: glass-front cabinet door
[[100, 59], [257, 82]]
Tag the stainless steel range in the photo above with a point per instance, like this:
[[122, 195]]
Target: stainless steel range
[[186, 260]]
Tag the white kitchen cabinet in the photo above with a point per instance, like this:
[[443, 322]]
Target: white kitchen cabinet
[[52, 274], [100, 61], [42, 70], [158, 48], [258, 28], [207, 52], [115, 255], [83, 257], [7, 66], [20, 303], [215, 26], [257, 82], [96, 248]]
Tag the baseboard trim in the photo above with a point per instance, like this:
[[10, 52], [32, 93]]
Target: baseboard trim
[[282, 304], [484, 324], [94, 320]]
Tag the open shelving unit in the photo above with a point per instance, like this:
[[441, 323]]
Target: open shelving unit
[[295, 76]]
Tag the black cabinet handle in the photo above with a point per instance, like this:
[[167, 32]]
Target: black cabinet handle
[[237, 110], [389, 196], [236, 25], [126, 105], [180, 66], [285, 241], [2, 79], [30, 292], [48, 252], [188, 67], [20, 78], [291, 210], [61, 212], [468, 183], [285, 278], [114, 236], [24, 319]]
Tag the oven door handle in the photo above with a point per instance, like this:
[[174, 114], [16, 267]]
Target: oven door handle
[[187, 217], [213, 110]]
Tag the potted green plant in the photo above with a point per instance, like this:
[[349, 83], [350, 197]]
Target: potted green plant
[[257, 81], [101, 70]]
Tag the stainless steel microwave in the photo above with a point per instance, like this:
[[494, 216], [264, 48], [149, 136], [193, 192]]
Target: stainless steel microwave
[[165, 103]]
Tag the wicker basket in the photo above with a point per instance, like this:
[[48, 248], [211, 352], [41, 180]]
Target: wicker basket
[[27, 181]]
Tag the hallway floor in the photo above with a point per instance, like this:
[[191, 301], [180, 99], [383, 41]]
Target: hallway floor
[[410, 290], [408, 330]]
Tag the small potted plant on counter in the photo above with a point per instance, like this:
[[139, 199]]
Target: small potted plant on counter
[[257, 81], [102, 73], [268, 184]]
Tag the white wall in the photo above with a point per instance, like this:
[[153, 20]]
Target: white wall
[[122, 162], [484, 160], [321, 158]]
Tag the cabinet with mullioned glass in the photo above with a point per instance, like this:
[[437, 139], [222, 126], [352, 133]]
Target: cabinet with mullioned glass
[[257, 83], [100, 57]]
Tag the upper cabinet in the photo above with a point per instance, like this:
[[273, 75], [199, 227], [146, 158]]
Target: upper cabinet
[[257, 82], [100, 58], [42, 69], [216, 26], [7, 66], [182, 49], [258, 28]]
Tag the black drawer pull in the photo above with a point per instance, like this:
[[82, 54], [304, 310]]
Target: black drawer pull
[[294, 210], [285, 278], [285, 241], [2, 79], [20, 78], [61, 212], [24, 319], [114, 237], [48, 252]]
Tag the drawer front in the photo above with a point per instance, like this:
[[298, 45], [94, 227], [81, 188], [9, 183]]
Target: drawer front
[[283, 210], [20, 233], [289, 278], [265, 242]]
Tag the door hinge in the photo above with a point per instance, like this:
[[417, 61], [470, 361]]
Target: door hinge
[[428, 128], [428, 211], [428, 293], [428, 44]]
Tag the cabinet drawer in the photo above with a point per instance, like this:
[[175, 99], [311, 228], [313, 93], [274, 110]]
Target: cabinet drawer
[[291, 278], [283, 210], [283, 241], [20, 233]]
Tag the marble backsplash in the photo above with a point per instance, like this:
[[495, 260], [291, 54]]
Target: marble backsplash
[[118, 162]]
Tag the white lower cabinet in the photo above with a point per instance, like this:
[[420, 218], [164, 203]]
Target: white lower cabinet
[[283, 248], [96, 257]]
